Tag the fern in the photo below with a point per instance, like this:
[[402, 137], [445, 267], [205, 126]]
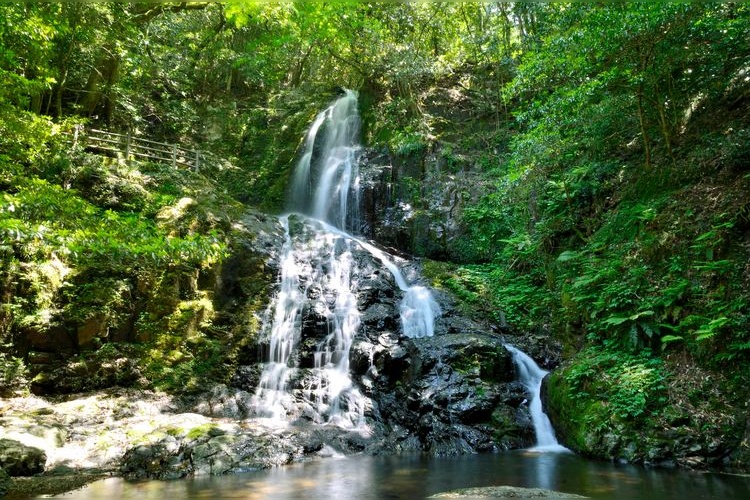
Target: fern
[[711, 329]]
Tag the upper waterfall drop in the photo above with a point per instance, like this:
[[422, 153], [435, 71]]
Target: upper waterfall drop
[[325, 184]]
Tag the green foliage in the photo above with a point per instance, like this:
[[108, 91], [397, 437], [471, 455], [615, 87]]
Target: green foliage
[[73, 264], [606, 150], [14, 374], [614, 215], [487, 224], [176, 364], [493, 293], [629, 386]]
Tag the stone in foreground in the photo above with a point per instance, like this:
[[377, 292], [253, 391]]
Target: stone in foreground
[[504, 492]]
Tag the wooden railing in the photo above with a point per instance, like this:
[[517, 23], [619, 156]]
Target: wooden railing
[[129, 146]]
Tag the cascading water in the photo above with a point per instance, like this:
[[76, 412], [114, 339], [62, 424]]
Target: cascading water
[[272, 397], [318, 273], [530, 375], [328, 174]]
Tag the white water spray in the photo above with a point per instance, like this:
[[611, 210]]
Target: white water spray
[[327, 174], [530, 375], [272, 397]]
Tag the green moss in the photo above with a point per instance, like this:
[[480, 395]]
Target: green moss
[[610, 404], [467, 365], [490, 365], [505, 430], [201, 431]]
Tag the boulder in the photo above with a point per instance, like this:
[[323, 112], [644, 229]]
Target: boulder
[[17, 459], [504, 492], [166, 460], [214, 451], [455, 392]]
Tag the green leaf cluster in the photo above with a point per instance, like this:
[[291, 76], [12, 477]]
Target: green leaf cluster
[[631, 386]]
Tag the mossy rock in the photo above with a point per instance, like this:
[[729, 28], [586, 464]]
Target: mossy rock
[[6, 483], [700, 433], [17, 459]]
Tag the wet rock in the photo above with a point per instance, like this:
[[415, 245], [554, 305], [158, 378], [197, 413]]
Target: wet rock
[[215, 451], [86, 375], [246, 377], [157, 461], [17, 459], [389, 212], [361, 356], [546, 351], [215, 456], [511, 427], [224, 402], [5, 482], [244, 283], [380, 317], [450, 390], [504, 492]]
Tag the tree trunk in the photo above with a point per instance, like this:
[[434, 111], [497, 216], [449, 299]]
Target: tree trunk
[[110, 97], [91, 93], [507, 25], [100, 85], [644, 133], [666, 131], [35, 103], [299, 69]]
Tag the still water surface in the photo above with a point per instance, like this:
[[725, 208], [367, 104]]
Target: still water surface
[[413, 477]]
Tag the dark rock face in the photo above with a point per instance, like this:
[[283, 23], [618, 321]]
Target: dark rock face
[[452, 393], [86, 375], [216, 452], [17, 459], [414, 203], [448, 394]]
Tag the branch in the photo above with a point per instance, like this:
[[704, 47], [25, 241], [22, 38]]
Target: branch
[[146, 12], [344, 60]]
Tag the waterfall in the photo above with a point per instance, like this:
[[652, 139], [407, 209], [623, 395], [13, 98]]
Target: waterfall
[[531, 375], [318, 274], [272, 398], [323, 183]]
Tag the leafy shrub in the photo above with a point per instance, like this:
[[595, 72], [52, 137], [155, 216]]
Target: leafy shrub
[[13, 376], [629, 387]]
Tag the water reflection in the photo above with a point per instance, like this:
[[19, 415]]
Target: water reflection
[[365, 477]]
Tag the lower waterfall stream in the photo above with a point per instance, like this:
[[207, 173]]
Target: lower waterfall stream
[[531, 376]]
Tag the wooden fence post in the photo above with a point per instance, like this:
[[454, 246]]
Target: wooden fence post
[[76, 130], [127, 146], [197, 160], [174, 155]]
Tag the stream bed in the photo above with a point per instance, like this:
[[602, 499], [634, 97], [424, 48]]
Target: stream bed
[[417, 476]]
